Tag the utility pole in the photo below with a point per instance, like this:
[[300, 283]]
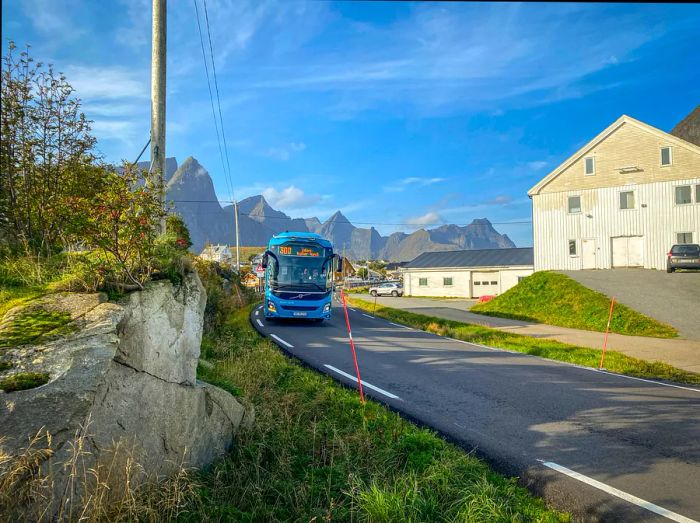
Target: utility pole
[[158, 53], [238, 254]]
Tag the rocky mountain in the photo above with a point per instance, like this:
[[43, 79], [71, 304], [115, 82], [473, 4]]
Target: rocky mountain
[[689, 127], [191, 191]]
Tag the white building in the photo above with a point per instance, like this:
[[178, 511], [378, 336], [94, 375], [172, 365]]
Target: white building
[[217, 253], [622, 200], [466, 274]]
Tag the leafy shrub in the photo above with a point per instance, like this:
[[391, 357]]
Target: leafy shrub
[[225, 294]]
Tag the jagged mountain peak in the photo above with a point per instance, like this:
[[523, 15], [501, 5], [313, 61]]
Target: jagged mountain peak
[[337, 217], [192, 192]]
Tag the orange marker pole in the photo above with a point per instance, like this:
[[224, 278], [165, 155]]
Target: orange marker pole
[[352, 346], [607, 329]]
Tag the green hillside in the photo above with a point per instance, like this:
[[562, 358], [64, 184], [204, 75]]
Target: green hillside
[[555, 299]]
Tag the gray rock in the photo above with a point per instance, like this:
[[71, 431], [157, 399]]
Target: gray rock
[[128, 376], [161, 332]]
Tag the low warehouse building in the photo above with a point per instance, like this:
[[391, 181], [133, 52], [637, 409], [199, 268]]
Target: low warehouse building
[[467, 274]]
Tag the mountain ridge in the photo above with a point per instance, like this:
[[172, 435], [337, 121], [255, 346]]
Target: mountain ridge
[[191, 192]]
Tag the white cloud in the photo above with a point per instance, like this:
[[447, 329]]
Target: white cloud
[[284, 152], [510, 57], [412, 181], [537, 165], [108, 82], [501, 199], [429, 218], [289, 198]]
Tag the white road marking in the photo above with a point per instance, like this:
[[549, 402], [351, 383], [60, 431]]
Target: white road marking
[[260, 323], [282, 341], [619, 493], [642, 379], [398, 325], [615, 374], [364, 383], [367, 315]]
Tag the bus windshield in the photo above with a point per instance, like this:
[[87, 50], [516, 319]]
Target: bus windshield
[[299, 267]]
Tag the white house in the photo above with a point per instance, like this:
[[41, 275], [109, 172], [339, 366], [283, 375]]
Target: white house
[[217, 253], [622, 200], [466, 274]]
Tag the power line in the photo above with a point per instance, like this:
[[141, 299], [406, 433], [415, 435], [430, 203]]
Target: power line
[[218, 100], [270, 217], [211, 96]]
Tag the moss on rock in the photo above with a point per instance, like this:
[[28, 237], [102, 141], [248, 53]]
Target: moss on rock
[[23, 381]]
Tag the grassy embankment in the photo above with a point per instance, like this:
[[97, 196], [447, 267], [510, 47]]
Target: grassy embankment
[[556, 299], [316, 453], [550, 349]]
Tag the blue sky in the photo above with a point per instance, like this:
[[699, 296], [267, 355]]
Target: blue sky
[[398, 114]]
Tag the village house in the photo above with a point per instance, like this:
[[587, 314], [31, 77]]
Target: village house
[[217, 253], [622, 200], [466, 274]]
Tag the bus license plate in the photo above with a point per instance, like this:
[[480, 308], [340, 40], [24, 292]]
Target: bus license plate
[[299, 314]]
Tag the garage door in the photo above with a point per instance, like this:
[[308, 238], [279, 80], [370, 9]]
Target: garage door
[[485, 283], [627, 251]]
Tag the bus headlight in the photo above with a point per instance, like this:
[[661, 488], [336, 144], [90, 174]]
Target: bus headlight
[[326, 307], [271, 307]]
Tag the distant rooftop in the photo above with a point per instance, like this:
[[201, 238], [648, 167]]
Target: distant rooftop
[[521, 256]]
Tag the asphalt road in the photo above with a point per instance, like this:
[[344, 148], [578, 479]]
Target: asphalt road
[[543, 421]]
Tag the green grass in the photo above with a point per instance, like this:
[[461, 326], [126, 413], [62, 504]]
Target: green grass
[[23, 381], [33, 325], [11, 296], [556, 299], [315, 453], [553, 350]]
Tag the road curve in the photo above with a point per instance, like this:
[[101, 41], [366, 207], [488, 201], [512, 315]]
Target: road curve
[[602, 446]]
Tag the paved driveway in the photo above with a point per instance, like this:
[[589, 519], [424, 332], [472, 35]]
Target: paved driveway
[[671, 298]]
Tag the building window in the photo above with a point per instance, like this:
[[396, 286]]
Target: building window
[[477, 283], [683, 194], [589, 168], [684, 237], [494, 283], [666, 156], [422, 282], [697, 194], [627, 200], [521, 278], [447, 282], [574, 204], [572, 247]]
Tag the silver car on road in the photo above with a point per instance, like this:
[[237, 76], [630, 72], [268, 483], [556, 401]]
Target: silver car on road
[[387, 289]]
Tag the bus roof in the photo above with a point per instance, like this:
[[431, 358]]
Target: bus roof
[[286, 236]]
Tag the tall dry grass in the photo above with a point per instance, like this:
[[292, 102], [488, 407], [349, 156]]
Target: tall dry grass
[[72, 484]]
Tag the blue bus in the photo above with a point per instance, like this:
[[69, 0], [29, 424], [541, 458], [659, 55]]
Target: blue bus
[[298, 276]]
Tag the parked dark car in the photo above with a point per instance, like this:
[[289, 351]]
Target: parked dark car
[[683, 256]]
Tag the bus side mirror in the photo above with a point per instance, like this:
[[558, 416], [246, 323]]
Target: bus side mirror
[[340, 265], [264, 261]]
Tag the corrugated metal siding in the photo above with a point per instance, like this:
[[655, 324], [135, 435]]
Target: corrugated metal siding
[[658, 223]]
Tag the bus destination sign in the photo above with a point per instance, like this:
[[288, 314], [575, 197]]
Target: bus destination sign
[[300, 250]]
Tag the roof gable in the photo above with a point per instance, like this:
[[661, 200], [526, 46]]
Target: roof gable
[[606, 133]]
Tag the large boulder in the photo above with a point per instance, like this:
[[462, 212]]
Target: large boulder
[[126, 376]]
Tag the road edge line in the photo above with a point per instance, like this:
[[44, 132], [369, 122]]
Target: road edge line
[[364, 383], [674, 516]]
